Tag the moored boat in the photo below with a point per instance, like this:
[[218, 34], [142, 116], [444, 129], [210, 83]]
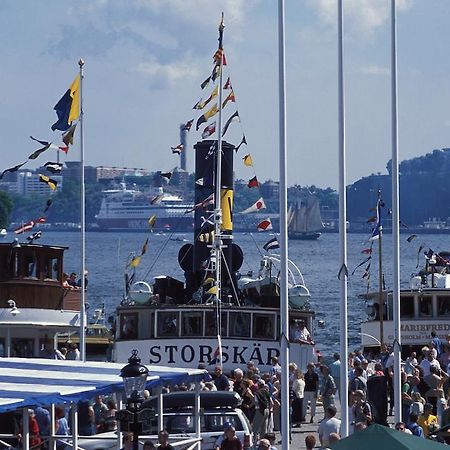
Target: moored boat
[[424, 307], [34, 305]]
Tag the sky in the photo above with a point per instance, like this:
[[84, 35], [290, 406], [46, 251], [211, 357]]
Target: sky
[[145, 60]]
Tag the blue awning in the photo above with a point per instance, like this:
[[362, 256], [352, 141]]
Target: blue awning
[[31, 382]]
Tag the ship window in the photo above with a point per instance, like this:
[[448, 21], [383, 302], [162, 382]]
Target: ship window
[[425, 306], [443, 306], [239, 324], [211, 326], [22, 348], [263, 326], [192, 323], [51, 269], [168, 323], [2, 348], [30, 265], [407, 306], [129, 326]]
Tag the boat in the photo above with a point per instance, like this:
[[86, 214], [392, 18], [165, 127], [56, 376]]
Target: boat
[[34, 305], [131, 209], [98, 337], [218, 315], [424, 307], [304, 220]]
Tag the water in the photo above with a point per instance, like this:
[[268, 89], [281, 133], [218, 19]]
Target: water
[[107, 255]]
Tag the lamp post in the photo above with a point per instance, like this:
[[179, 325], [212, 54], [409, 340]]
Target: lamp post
[[134, 376]]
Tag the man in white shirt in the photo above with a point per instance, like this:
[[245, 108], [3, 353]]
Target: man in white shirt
[[329, 425], [427, 362]]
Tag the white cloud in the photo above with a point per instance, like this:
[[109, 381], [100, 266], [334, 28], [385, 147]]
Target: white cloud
[[363, 16], [167, 74], [375, 70]]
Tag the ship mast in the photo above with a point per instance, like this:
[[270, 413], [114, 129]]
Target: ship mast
[[217, 247]]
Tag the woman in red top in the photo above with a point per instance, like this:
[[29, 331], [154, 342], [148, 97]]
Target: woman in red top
[[33, 430]]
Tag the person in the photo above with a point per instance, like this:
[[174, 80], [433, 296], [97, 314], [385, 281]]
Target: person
[[414, 427], [328, 388], [298, 389], [248, 400], [334, 437], [231, 441], [222, 437], [427, 420], [163, 439], [263, 406], [358, 383], [35, 439], [311, 390], [361, 410], [221, 381], [108, 421], [263, 444], [43, 419], [86, 281], [72, 281], [100, 409], [435, 381], [310, 442], [377, 395], [329, 425], [301, 333], [335, 371], [62, 426], [437, 344], [417, 404], [401, 426], [148, 445], [127, 441], [73, 352], [271, 438], [65, 283], [238, 382], [86, 418]]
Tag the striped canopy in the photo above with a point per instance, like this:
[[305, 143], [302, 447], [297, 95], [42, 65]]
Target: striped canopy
[[31, 382]]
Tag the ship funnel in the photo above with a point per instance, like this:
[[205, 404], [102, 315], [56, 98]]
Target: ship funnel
[[194, 258]]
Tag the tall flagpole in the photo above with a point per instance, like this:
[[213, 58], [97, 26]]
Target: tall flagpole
[[343, 273], [395, 220], [217, 199], [284, 313], [83, 226]]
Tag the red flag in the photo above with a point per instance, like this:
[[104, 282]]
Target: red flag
[[25, 227], [187, 126], [178, 149], [266, 224], [41, 220], [209, 130], [259, 204], [227, 84], [367, 251], [253, 183]]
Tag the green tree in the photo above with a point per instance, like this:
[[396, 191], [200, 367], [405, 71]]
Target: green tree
[[6, 206]]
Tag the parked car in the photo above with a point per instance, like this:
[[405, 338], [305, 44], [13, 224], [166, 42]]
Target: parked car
[[217, 409]]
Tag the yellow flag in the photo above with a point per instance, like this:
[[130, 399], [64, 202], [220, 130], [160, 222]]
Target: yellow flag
[[135, 261], [226, 203], [151, 221], [210, 113], [212, 290], [75, 95], [248, 160], [50, 182]]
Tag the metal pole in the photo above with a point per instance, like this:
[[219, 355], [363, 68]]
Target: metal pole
[[380, 281], [135, 427], [395, 221], [343, 274], [83, 226], [284, 313]]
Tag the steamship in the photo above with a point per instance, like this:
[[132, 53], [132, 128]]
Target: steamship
[[424, 307], [130, 209], [218, 314], [179, 323]]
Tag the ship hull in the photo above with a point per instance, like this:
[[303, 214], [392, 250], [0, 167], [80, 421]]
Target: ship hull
[[304, 236], [162, 224]]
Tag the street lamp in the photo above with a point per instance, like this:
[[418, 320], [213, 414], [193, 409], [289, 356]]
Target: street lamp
[[134, 376]]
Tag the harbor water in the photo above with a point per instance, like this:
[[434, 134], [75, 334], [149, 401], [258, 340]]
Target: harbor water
[[108, 253]]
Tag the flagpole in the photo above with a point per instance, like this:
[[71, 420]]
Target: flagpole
[[284, 313], [395, 220], [218, 209], [343, 274], [83, 226]]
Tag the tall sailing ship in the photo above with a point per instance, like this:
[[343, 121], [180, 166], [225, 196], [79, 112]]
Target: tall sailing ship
[[304, 220], [217, 314]]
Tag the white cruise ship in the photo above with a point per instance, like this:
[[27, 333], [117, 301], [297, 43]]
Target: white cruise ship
[[131, 209]]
